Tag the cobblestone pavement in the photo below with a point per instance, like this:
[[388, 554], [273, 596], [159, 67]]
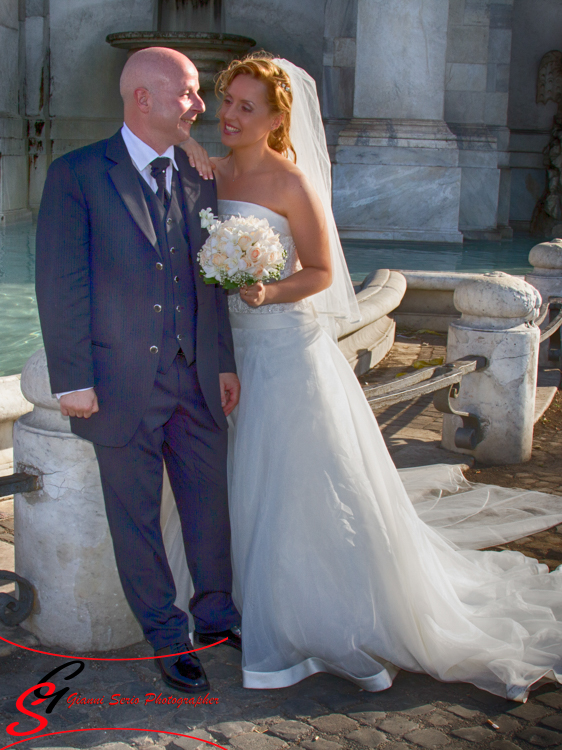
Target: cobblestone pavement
[[322, 712]]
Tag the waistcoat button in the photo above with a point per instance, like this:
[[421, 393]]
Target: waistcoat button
[[154, 350], [159, 266], [176, 279], [157, 308]]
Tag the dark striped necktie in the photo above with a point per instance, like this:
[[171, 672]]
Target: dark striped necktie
[[158, 169]]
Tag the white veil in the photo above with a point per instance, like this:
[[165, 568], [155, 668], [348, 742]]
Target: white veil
[[309, 141]]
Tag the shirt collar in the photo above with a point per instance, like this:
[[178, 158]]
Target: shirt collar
[[140, 152]]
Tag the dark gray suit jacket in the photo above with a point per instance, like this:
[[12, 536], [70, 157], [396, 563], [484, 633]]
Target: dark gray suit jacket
[[97, 282]]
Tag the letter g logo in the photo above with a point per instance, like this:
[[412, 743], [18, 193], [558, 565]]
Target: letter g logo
[[51, 692]]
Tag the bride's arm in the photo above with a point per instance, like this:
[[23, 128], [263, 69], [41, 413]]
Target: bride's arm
[[308, 227], [199, 158]]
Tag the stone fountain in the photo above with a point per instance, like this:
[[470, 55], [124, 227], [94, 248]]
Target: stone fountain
[[194, 27]]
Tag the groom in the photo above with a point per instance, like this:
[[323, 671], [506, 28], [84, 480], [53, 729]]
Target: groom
[[140, 351]]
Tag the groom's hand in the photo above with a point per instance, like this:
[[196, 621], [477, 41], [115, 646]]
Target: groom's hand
[[230, 391], [79, 404]]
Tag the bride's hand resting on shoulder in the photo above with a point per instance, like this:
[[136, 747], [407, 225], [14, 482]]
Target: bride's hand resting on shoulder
[[199, 158]]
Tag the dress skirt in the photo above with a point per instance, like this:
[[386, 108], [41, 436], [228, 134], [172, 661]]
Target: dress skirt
[[334, 569]]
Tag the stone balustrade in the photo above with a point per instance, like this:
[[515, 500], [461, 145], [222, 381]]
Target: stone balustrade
[[62, 539], [365, 343], [497, 314], [428, 301], [546, 276]]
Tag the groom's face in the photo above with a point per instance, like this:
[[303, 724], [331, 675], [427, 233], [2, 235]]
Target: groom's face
[[175, 105]]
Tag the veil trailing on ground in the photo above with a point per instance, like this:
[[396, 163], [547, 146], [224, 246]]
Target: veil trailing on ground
[[469, 516], [309, 141]]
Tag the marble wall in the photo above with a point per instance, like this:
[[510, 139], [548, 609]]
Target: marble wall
[[401, 49], [396, 173], [339, 59], [37, 100], [290, 28], [82, 101], [537, 26], [478, 61], [469, 63], [13, 159], [476, 98], [85, 102], [9, 54], [397, 180]]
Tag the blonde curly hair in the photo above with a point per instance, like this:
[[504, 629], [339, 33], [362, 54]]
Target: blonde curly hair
[[261, 66]]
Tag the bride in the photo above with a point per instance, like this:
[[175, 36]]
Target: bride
[[335, 569]]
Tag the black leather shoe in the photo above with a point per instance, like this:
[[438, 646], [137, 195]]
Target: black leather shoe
[[182, 672], [233, 637]]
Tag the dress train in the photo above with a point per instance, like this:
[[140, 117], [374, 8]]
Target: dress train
[[345, 565]]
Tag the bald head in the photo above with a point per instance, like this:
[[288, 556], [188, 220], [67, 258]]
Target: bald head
[[159, 87], [151, 68]]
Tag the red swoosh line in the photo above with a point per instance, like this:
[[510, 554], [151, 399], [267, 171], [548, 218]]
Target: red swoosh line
[[96, 658], [105, 729]]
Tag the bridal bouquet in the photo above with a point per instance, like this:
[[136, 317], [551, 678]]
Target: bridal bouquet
[[240, 250]]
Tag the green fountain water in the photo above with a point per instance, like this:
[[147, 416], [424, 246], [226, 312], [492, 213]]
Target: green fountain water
[[20, 332]]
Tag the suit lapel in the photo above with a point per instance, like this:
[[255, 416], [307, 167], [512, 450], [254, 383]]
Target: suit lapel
[[126, 181]]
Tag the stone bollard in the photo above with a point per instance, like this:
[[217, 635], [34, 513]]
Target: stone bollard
[[546, 260], [62, 539], [496, 323]]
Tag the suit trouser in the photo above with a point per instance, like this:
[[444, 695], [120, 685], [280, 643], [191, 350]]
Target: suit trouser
[[177, 427]]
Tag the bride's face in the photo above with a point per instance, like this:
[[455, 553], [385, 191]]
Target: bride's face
[[245, 116]]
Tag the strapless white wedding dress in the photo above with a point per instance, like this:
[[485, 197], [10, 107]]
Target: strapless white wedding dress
[[335, 568]]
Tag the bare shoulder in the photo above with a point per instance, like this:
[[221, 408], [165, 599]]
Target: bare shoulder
[[293, 185]]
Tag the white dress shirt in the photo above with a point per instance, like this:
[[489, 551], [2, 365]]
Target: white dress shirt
[[141, 155]]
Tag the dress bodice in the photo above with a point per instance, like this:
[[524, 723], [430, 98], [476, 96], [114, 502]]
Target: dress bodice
[[279, 224]]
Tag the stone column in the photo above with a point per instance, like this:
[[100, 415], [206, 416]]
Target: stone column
[[397, 173], [62, 539], [546, 260], [400, 66], [13, 157], [476, 99], [496, 322], [339, 57]]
